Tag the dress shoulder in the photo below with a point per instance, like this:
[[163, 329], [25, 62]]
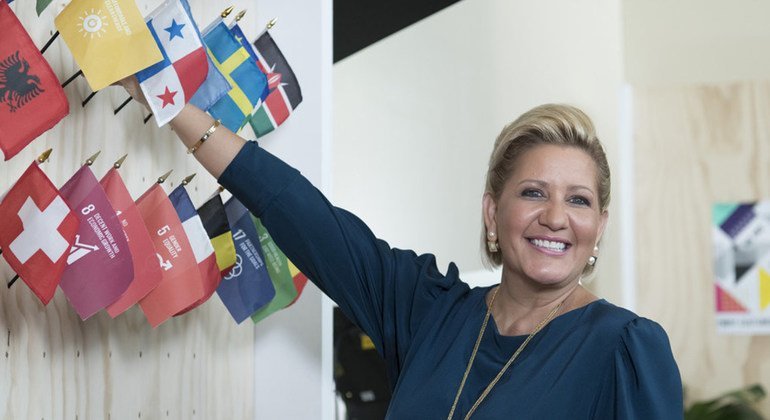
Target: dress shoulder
[[644, 380]]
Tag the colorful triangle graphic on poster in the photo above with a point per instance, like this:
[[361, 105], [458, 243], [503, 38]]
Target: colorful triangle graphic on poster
[[727, 303], [764, 289], [720, 212]]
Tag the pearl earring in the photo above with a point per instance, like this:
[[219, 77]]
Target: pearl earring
[[592, 259], [492, 243]]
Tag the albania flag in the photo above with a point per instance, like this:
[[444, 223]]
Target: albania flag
[[31, 98]]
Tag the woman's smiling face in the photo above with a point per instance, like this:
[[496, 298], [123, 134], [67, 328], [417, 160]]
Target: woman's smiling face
[[547, 219]]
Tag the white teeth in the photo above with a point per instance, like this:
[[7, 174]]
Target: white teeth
[[552, 245]]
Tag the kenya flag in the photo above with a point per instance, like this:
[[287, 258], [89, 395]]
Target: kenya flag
[[285, 94]]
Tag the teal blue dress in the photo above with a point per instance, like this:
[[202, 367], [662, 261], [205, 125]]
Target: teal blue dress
[[595, 362]]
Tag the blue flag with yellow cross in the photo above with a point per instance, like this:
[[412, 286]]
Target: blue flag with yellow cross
[[248, 83]]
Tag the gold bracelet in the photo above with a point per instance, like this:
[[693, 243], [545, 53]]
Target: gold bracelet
[[205, 137]]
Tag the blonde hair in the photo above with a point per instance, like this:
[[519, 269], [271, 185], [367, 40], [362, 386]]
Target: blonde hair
[[555, 124]]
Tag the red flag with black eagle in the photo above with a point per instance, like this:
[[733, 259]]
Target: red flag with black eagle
[[31, 99]]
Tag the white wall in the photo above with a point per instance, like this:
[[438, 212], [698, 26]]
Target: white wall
[[416, 114], [291, 382], [695, 41]]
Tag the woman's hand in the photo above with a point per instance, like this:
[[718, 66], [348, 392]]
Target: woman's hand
[[131, 85]]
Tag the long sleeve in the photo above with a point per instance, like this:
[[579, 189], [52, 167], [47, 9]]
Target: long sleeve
[[387, 292], [644, 382]]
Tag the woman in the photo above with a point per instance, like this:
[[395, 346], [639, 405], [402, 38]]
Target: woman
[[536, 346]]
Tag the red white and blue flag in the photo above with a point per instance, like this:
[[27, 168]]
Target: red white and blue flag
[[171, 83], [99, 264], [199, 240], [36, 232]]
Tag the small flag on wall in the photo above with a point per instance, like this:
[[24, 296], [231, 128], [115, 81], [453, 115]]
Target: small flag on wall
[[31, 98], [181, 284], [214, 88], [171, 83], [248, 83], [237, 32], [99, 265], [205, 257], [108, 39], [147, 272], [280, 275], [41, 5], [285, 93], [247, 287], [37, 231], [299, 279], [214, 218]]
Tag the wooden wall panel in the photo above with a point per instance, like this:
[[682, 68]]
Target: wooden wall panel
[[54, 366], [695, 146]]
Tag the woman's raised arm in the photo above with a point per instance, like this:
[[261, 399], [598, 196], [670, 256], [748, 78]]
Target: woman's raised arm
[[386, 291]]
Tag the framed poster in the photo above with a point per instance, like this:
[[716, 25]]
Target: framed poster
[[741, 240]]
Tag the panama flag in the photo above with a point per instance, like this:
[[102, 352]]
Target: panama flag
[[31, 99], [36, 232], [285, 94], [247, 287], [170, 84], [99, 265], [199, 240], [181, 283], [147, 272]]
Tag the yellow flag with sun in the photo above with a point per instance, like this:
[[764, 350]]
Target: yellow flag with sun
[[108, 38]]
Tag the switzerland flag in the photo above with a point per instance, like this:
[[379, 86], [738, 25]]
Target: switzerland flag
[[37, 231]]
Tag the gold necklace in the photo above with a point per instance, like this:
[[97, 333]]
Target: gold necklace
[[507, 364]]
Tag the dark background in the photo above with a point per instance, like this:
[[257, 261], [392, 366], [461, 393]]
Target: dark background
[[360, 23]]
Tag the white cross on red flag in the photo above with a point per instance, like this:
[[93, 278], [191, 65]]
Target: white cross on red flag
[[37, 231]]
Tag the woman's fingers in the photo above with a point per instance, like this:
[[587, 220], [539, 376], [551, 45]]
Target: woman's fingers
[[131, 85]]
